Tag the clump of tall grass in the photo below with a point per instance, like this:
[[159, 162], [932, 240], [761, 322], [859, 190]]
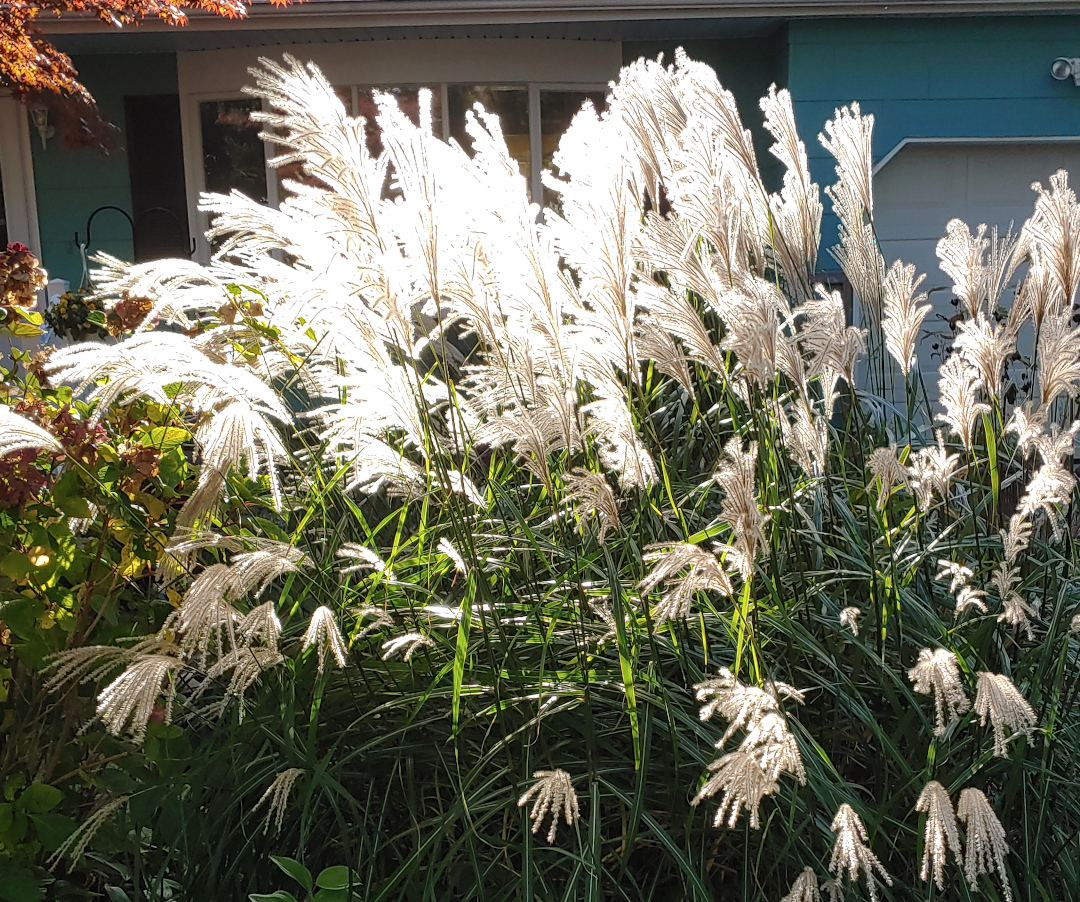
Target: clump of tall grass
[[488, 495]]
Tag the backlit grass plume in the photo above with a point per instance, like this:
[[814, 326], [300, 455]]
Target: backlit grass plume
[[528, 477]]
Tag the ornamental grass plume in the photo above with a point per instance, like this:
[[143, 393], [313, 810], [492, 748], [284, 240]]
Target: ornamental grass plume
[[998, 700], [941, 835], [937, 672], [985, 845], [545, 484], [552, 793], [851, 854]]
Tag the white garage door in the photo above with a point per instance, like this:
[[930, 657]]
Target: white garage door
[[925, 185]]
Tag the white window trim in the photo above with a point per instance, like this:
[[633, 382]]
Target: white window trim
[[17, 167]]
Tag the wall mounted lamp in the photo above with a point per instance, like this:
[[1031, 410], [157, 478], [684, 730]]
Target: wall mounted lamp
[[1064, 67], [39, 115]]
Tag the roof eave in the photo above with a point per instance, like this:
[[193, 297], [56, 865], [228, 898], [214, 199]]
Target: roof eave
[[389, 13]]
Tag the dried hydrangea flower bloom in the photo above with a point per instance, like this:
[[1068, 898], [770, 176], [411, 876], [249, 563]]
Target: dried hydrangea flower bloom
[[552, 793]]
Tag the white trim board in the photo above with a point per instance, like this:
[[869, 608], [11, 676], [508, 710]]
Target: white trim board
[[974, 142], [17, 167]]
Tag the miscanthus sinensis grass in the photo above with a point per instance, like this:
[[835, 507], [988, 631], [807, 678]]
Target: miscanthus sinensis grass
[[529, 480]]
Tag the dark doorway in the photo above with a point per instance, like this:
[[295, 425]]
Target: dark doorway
[[156, 170]]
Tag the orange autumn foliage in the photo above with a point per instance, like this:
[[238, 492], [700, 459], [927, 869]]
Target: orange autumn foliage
[[30, 64]]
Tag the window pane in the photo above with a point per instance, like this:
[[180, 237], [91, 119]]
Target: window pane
[[510, 104], [557, 109], [232, 150], [408, 100]]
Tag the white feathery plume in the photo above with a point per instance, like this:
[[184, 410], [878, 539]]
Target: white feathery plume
[[804, 889], [987, 348], [999, 700], [937, 672], [253, 571], [592, 498], [18, 433], [797, 209], [739, 509], [1050, 487], [1015, 538], [128, 702], [739, 704], [851, 853], [260, 624], [248, 663], [447, 548], [702, 573], [849, 617], [382, 618], [931, 470], [1028, 424], [848, 137], [407, 645], [884, 464], [204, 618], [1014, 610], [986, 846], [323, 633], [73, 847], [365, 558], [752, 772], [978, 280], [941, 835], [1053, 233], [89, 663], [742, 780], [1059, 357], [904, 314], [552, 793], [958, 385], [277, 798]]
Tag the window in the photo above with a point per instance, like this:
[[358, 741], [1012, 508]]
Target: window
[[533, 117], [232, 150], [511, 104]]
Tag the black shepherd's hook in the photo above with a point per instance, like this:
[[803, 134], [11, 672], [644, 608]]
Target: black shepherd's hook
[[90, 220], [132, 223]]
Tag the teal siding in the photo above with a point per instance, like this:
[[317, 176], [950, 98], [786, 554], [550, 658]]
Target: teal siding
[[72, 183], [933, 78]]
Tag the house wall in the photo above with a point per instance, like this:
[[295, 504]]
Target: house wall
[[71, 184], [986, 77]]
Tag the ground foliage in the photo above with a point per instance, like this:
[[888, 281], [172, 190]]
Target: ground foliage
[[461, 552]]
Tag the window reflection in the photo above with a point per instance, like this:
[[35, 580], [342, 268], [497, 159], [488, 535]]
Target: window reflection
[[233, 154]]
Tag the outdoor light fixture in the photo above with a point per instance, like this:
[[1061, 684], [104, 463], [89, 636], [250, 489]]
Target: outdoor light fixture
[[1063, 67], [40, 117]]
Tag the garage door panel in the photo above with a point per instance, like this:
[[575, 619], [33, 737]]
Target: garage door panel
[[926, 185]]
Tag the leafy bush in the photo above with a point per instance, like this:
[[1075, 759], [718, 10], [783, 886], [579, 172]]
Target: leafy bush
[[479, 500]]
